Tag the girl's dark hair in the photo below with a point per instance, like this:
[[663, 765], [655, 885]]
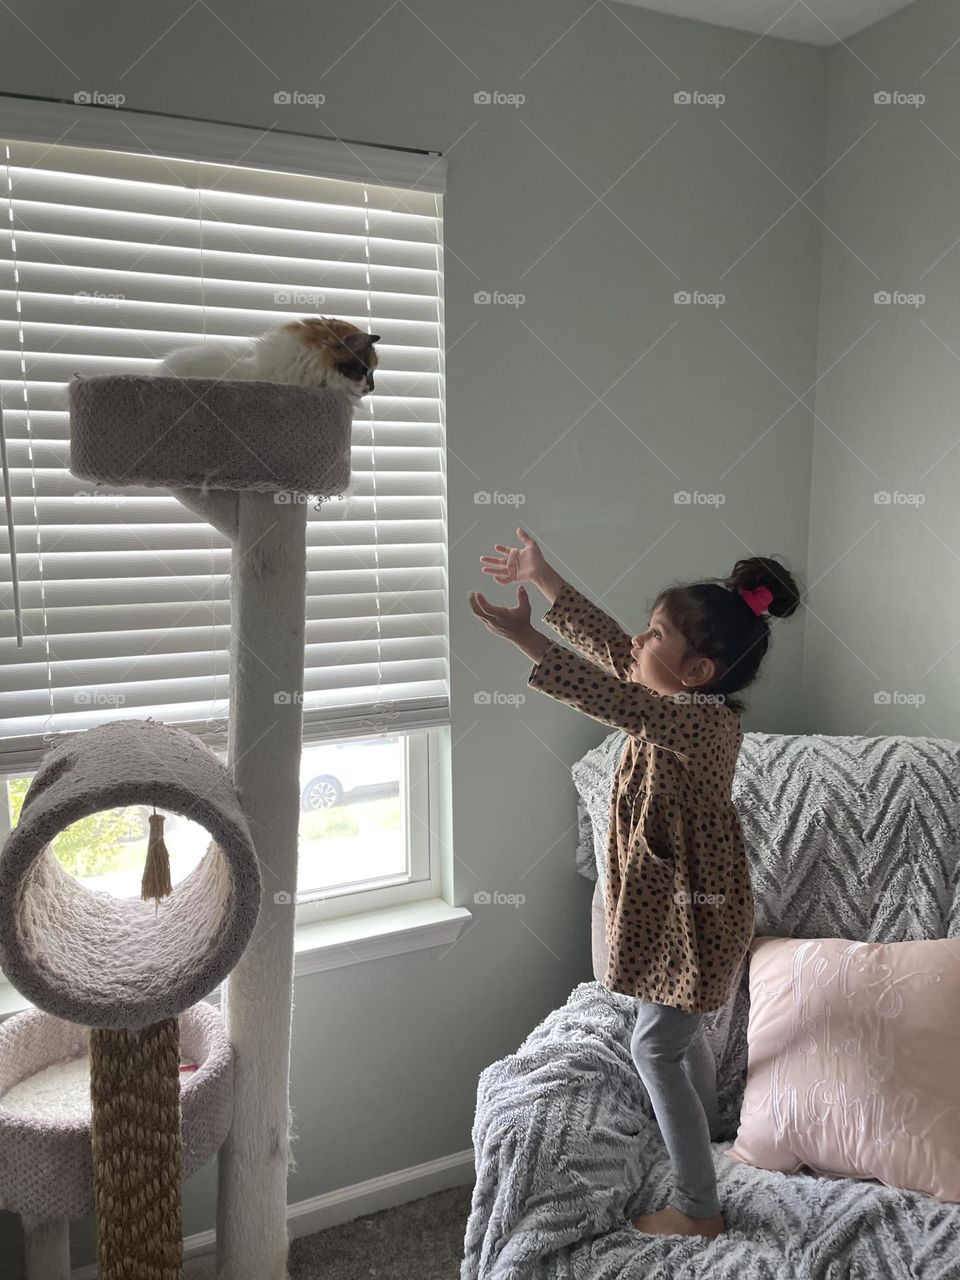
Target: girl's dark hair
[[716, 622]]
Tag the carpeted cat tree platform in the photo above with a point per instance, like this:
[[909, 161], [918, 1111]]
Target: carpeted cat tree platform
[[244, 456]]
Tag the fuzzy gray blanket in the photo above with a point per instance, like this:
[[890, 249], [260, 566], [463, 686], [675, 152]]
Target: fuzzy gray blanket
[[847, 837]]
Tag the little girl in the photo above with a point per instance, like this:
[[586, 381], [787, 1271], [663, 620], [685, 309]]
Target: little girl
[[678, 904]]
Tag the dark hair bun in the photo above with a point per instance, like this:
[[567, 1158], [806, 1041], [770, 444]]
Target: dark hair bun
[[760, 571]]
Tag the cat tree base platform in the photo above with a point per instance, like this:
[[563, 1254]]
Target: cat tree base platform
[[46, 1169]]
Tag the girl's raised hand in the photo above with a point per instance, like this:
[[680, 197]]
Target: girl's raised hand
[[511, 624], [517, 564]]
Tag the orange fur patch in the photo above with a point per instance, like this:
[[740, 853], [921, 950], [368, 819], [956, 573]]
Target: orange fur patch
[[326, 334]]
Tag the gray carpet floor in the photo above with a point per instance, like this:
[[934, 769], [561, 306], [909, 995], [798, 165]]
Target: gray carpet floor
[[422, 1240]]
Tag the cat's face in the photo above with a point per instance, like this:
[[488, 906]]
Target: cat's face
[[345, 353]]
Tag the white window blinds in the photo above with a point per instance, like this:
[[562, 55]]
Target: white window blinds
[[110, 259]]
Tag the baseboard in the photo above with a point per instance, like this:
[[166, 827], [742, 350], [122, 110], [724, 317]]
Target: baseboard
[[334, 1207]]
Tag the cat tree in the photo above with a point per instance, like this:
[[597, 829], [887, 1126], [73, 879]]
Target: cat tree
[[244, 456]]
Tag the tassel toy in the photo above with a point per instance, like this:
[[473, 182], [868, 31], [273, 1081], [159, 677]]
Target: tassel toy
[[156, 881]]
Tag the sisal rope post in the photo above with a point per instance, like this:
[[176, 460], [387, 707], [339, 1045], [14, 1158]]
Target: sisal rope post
[[137, 1151]]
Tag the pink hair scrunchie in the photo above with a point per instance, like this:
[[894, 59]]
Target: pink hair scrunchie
[[758, 598]]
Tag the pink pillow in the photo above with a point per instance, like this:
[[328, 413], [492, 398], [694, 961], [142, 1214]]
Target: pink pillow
[[853, 1056]]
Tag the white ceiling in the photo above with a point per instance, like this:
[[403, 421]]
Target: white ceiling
[[812, 21]]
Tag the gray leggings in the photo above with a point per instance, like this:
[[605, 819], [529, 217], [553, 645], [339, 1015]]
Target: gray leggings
[[678, 1070]]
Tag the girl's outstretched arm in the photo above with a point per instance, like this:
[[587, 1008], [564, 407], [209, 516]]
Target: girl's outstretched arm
[[593, 633], [679, 723]]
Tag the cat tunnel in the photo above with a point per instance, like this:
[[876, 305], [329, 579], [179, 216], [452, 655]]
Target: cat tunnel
[[242, 455], [123, 963]]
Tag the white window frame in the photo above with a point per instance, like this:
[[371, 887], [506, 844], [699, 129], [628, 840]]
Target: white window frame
[[419, 822], [419, 751]]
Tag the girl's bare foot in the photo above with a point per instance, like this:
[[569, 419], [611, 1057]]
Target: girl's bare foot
[[672, 1222]]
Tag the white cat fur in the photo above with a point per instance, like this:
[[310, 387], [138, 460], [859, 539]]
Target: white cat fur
[[275, 356]]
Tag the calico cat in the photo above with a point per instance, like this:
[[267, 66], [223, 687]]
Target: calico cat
[[317, 352]]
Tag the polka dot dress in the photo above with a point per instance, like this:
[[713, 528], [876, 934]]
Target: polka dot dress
[[678, 903]]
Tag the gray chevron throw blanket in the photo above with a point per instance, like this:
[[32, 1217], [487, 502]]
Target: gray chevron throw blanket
[[847, 837]]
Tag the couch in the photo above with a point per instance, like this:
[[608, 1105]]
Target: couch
[[850, 837]]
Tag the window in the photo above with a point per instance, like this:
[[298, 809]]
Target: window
[[366, 809], [132, 236]]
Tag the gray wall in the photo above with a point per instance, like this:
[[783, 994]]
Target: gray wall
[[883, 618], [386, 1055]]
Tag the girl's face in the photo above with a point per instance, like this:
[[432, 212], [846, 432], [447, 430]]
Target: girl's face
[[658, 659]]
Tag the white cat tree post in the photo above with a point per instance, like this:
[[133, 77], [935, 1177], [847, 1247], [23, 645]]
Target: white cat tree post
[[244, 456]]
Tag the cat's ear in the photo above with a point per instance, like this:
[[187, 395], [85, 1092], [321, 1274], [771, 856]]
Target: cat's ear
[[374, 337], [358, 342]]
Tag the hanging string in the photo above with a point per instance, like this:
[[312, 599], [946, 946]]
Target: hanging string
[[441, 403], [373, 461], [11, 529], [213, 721], [8, 498]]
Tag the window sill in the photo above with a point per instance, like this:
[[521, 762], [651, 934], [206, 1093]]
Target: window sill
[[330, 944], [371, 935]]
